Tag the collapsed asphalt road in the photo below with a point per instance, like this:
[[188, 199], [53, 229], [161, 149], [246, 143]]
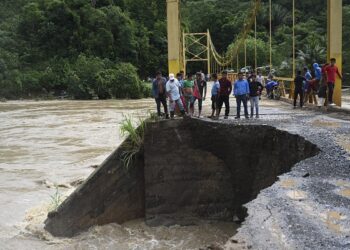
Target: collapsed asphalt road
[[309, 207]]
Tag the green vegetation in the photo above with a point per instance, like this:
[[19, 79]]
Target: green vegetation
[[104, 48], [133, 144], [56, 200], [88, 49]]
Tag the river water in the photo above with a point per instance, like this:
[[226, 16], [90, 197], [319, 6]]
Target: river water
[[47, 146]]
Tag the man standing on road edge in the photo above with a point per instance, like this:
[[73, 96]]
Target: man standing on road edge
[[224, 95], [255, 89], [241, 92], [172, 89], [332, 72], [299, 83], [159, 93]]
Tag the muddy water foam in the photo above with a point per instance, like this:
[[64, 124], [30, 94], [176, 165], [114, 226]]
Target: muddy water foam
[[49, 145]]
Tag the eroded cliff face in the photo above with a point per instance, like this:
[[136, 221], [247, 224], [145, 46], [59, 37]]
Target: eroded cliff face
[[206, 170], [190, 170], [112, 193]]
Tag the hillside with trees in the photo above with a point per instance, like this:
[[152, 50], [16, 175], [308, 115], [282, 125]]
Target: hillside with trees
[[102, 48]]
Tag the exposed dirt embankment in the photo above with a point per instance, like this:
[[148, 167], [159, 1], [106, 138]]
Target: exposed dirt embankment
[[189, 170]]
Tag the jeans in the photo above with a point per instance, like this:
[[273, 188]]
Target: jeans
[[322, 92], [242, 99], [188, 100], [224, 99], [300, 92], [254, 102], [330, 92], [173, 104], [161, 99], [200, 103]]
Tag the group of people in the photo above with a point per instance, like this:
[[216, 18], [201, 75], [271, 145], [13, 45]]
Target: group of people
[[183, 93], [321, 84], [244, 89]]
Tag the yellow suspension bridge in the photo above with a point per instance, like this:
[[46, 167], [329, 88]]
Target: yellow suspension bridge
[[184, 48]]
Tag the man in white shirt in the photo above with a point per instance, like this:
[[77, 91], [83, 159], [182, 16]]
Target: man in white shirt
[[172, 89], [260, 78]]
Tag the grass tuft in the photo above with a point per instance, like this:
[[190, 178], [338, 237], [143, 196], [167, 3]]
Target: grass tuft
[[56, 200], [134, 131]]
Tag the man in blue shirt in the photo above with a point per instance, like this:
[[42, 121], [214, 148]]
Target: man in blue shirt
[[241, 92], [318, 71], [307, 86]]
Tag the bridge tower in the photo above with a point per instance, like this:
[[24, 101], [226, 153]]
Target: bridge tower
[[335, 37], [334, 45], [174, 36]]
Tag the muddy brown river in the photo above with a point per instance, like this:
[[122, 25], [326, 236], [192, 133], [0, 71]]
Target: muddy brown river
[[47, 146]]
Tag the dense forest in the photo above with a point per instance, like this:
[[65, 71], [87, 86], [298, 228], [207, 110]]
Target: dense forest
[[103, 48]]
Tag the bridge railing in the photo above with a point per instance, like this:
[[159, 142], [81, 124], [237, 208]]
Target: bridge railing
[[286, 86]]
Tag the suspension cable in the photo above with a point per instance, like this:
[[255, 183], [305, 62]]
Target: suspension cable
[[293, 39], [255, 48], [270, 1], [232, 53]]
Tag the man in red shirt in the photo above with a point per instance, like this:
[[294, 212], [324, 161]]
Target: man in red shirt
[[224, 95], [332, 72]]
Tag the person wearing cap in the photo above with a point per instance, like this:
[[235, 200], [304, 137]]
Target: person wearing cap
[[224, 95], [159, 93], [241, 91], [172, 89]]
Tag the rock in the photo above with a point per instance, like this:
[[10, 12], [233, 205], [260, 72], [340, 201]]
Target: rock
[[63, 186], [77, 182], [306, 175], [52, 214]]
